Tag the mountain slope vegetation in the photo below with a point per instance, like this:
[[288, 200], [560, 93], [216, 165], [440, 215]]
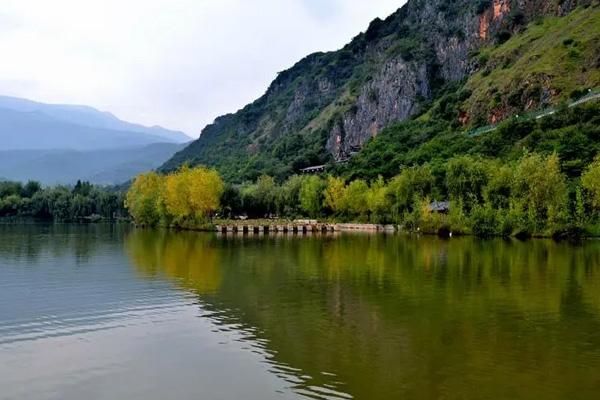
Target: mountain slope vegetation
[[554, 59], [437, 65]]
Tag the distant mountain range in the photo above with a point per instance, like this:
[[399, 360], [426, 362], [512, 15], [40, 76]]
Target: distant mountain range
[[105, 167], [26, 125], [59, 144]]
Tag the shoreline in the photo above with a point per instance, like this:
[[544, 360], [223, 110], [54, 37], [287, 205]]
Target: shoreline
[[264, 226], [249, 227]]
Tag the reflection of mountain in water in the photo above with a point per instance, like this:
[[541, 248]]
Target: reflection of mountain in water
[[388, 316]]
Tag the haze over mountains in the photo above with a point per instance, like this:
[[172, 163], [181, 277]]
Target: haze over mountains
[[56, 143], [26, 124]]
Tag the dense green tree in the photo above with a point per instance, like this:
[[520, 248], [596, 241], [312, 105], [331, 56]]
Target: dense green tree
[[412, 183], [311, 195], [82, 188], [10, 205], [58, 203], [288, 197], [540, 191], [10, 188], [81, 206], [231, 201], [466, 178], [356, 198], [30, 189]]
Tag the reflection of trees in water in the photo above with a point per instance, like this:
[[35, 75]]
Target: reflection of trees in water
[[33, 241], [391, 316]]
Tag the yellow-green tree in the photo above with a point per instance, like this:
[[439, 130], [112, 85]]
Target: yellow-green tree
[[590, 181], [143, 198], [288, 196], [356, 197], [498, 189], [466, 178], [185, 197], [266, 192], [334, 194], [175, 195], [192, 194], [205, 188]]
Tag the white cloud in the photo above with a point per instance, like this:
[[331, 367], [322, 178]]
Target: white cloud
[[177, 63]]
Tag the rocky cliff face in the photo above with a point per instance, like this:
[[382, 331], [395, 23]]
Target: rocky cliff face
[[401, 84], [330, 104]]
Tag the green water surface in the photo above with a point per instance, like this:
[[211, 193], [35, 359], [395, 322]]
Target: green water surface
[[110, 312]]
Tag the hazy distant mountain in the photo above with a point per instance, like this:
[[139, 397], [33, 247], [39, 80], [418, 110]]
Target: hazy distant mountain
[[89, 117], [37, 131], [54, 143], [107, 167]]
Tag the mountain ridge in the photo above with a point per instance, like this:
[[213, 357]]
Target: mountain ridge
[[90, 117], [60, 144], [22, 130]]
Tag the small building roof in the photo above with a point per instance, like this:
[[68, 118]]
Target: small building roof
[[439, 206], [316, 168]]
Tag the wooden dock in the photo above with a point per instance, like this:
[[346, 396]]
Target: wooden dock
[[262, 229], [302, 228]]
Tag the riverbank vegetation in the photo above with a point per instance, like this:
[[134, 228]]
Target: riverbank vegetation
[[61, 203], [530, 196]]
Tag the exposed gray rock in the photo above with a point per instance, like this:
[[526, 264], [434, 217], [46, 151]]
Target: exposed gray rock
[[390, 96]]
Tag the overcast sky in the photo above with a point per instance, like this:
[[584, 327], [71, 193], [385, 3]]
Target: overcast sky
[[175, 63]]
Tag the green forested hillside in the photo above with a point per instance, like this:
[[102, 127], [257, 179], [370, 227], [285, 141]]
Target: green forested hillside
[[554, 59], [572, 133], [408, 89]]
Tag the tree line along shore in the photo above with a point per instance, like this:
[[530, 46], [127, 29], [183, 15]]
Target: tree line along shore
[[81, 202], [469, 195]]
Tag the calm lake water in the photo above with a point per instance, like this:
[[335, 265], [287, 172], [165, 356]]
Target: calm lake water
[[110, 312]]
